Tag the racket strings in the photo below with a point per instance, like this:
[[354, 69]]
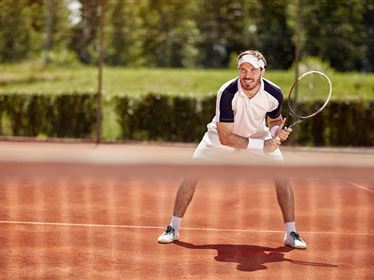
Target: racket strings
[[309, 94]]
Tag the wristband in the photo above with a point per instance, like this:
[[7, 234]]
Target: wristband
[[273, 130], [257, 144]]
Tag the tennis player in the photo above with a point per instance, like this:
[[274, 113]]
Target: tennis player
[[244, 105]]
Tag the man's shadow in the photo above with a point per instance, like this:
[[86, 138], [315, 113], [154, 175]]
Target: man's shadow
[[250, 257]]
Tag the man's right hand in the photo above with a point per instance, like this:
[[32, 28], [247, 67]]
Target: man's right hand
[[270, 145]]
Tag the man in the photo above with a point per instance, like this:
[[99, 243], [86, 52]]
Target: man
[[243, 106]]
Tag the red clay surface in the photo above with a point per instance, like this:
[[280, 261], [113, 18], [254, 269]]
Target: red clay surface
[[97, 222], [106, 228]]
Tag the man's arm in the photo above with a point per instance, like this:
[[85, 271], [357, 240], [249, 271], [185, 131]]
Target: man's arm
[[228, 138], [274, 122]]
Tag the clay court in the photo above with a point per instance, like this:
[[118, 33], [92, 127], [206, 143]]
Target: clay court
[[80, 211]]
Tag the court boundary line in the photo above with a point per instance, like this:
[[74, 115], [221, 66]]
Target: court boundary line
[[35, 223], [359, 186], [346, 181]]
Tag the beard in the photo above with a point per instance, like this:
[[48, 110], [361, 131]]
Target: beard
[[250, 84]]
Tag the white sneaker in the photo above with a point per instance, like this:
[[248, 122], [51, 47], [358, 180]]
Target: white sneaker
[[168, 236], [294, 240]]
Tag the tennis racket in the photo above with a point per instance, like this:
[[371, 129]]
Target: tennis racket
[[314, 88]]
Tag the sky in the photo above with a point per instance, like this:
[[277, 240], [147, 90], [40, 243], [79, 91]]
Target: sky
[[74, 7]]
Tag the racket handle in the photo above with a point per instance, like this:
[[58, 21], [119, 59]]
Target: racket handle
[[277, 138]]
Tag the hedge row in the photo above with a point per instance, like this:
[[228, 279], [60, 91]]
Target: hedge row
[[339, 124], [165, 118], [71, 116]]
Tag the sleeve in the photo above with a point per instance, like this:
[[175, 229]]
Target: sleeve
[[278, 110], [224, 107]]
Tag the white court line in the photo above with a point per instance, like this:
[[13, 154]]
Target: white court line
[[349, 182], [360, 187], [183, 228]]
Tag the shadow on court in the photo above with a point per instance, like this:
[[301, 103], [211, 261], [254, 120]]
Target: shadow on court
[[250, 257]]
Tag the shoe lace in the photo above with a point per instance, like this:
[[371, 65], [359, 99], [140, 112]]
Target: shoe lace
[[295, 235], [169, 229]]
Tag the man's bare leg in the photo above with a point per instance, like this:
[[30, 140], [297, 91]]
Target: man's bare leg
[[286, 202], [183, 198]]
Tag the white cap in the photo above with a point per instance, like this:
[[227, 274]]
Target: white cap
[[250, 58]]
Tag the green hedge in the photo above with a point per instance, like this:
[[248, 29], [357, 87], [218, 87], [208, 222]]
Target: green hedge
[[184, 119], [71, 116], [164, 118]]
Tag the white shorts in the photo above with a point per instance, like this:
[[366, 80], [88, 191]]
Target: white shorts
[[211, 149]]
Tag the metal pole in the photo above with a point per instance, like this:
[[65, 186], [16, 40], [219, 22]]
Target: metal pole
[[100, 74], [298, 38], [297, 60], [48, 30]]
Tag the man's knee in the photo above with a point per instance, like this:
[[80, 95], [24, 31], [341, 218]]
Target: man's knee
[[282, 183]]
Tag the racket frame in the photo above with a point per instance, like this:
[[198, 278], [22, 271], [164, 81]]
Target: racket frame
[[301, 118]]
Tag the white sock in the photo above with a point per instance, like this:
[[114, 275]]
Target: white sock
[[176, 222], [290, 226]]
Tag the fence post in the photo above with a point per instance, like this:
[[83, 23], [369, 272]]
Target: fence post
[[100, 75], [298, 49], [48, 29]]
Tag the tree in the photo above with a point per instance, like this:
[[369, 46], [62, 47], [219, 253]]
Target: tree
[[15, 30], [124, 33], [83, 40], [172, 35], [23, 28], [334, 32], [368, 60], [225, 27], [274, 34], [55, 26]]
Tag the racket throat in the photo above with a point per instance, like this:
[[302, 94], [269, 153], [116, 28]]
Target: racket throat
[[295, 122]]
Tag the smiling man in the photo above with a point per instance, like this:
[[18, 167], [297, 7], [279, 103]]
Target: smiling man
[[248, 117]]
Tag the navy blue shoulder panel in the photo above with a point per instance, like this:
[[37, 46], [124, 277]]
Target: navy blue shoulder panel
[[226, 114], [276, 92]]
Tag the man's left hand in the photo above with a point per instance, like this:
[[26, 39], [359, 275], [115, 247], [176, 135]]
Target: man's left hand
[[283, 133]]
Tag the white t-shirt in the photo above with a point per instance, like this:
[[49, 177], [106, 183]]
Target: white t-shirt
[[247, 114]]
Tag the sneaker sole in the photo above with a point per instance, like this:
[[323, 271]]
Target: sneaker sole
[[166, 241], [295, 247]]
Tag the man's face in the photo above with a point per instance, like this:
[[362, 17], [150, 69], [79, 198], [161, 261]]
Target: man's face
[[249, 76]]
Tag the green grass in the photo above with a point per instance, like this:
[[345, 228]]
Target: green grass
[[34, 78]]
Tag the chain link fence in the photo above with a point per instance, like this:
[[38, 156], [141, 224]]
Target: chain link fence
[[27, 111], [163, 118]]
